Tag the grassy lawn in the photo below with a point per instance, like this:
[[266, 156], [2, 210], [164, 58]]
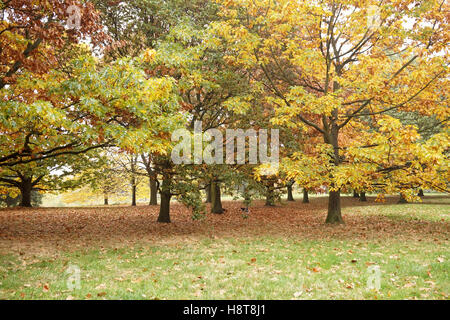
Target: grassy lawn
[[264, 266]]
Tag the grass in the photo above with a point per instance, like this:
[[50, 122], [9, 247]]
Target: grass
[[260, 267], [427, 212]]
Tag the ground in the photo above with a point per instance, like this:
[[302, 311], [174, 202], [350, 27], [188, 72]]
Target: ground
[[284, 252]]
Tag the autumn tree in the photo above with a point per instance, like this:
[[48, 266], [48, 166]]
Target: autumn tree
[[337, 68], [103, 178], [13, 198], [53, 174], [36, 37]]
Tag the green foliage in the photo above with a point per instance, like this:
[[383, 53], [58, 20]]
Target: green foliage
[[8, 200]]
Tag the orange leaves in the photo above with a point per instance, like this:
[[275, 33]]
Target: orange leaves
[[120, 226], [344, 79]]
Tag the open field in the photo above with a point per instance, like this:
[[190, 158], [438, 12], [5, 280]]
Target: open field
[[284, 252]]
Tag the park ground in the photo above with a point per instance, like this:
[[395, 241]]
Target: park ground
[[282, 252]]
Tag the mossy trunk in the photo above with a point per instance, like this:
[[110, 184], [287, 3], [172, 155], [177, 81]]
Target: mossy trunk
[[270, 196]]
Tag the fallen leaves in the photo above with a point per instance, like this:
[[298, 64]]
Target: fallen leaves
[[45, 228]]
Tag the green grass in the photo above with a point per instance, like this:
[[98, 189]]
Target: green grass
[[263, 268], [244, 268], [436, 209]]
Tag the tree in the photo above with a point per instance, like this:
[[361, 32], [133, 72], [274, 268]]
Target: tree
[[147, 162], [54, 174], [305, 196], [94, 106], [289, 186], [104, 178], [362, 197], [33, 33], [13, 199], [36, 37], [337, 68], [127, 166]]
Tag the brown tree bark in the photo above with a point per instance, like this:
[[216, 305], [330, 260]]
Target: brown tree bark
[[25, 188], [270, 197], [133, 192], [208, 193], [362, 197], [164, 207], [216, 201], [305, 196], [334, 208], [290, 196], [153, 192]]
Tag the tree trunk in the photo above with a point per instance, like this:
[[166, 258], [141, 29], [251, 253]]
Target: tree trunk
[[208, 193], [153, 192], [25, 192], [305, 196], [362, 197], [216, 201], [133, 195], [421, 194], [164, 207], [290, 197], [106, 200], [355, 194], [402, 199], [270, 197], [334, 207]]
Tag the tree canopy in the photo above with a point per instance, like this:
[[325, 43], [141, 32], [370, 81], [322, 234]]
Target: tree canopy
[[92, 92]]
